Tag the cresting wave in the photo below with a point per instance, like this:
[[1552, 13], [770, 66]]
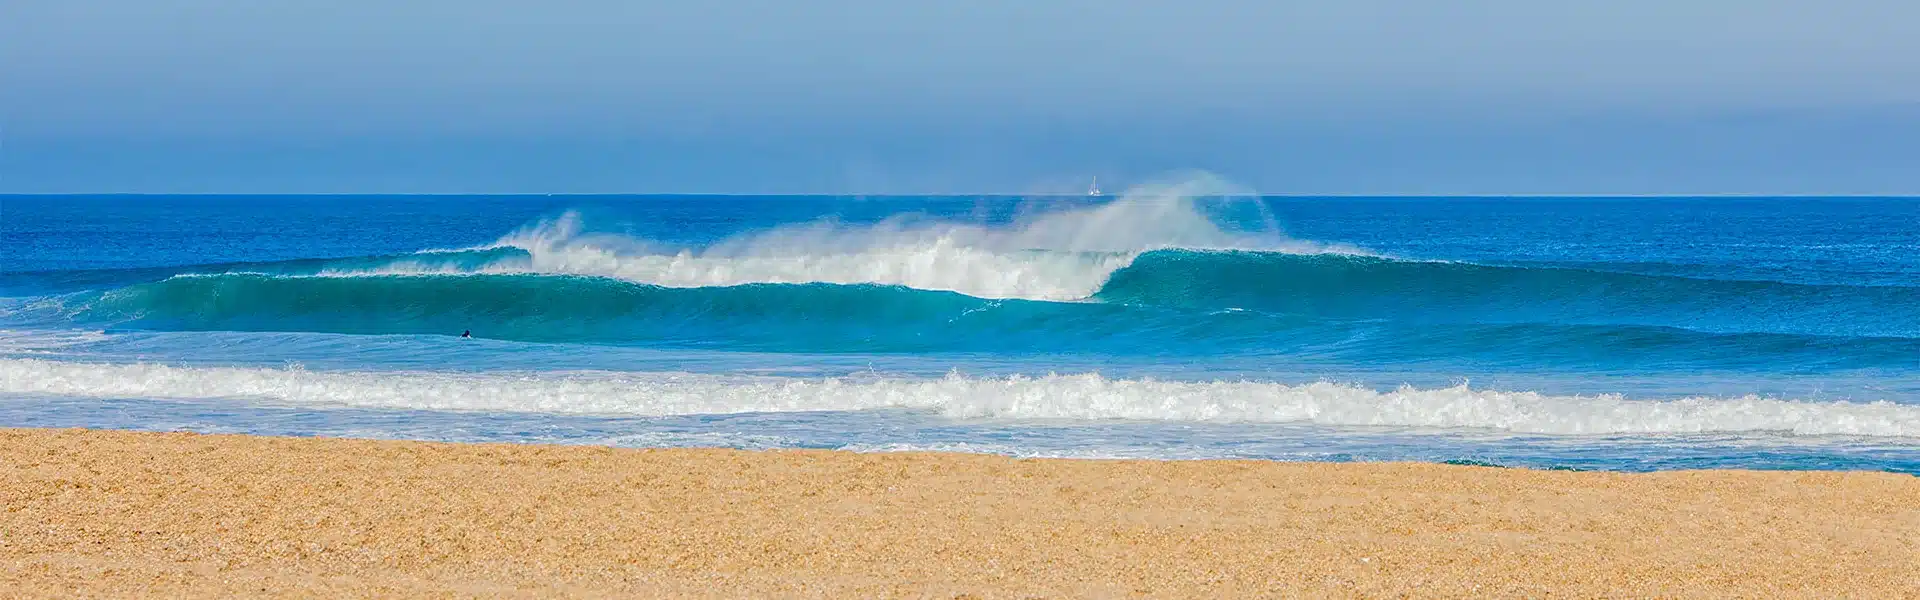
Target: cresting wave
[[824, 318], [1328, 285], [1150, 272], [1325, 284], [1068, 397], [1173, 302], [1061, 255]]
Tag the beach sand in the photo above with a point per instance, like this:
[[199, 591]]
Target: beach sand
[[101, 513]]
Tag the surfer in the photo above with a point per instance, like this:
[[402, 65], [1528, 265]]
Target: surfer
[[466, 334]]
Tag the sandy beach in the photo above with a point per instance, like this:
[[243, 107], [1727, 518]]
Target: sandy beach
[[102, 513]]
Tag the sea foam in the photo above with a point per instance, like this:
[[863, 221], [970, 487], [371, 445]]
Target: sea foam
[[1057, 255], [1077, 397]]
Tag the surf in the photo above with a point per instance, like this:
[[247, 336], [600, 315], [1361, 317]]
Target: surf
[[1171, 269], [1074, 397]]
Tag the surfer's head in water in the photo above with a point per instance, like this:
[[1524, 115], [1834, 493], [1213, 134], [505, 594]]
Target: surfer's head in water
[[466, 334]]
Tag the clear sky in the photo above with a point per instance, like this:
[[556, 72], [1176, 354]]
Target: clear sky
[[898, 96]]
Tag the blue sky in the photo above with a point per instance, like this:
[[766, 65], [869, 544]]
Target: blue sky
[[870, 96]]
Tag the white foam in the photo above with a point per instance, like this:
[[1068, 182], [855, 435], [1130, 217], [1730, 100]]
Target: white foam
[[41, 341], [1072, 397], [1019, 451], [939, 264], [1062, 255], [414, 267]]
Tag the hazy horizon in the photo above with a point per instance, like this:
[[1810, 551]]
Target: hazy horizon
[[850, 97]]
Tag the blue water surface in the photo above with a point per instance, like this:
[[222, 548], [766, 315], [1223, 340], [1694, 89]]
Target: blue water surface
[[1593, 333]]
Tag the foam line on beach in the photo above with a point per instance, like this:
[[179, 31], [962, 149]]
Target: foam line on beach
[[1076, 397]]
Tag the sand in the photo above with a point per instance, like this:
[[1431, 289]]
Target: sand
[[120, 514]]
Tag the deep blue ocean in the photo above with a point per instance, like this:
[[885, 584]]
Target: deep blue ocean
[[1168, 322]]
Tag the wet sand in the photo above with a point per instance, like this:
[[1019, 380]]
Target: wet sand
[[117, 514]]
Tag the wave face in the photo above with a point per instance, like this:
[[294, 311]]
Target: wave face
[[545, 308], [1055, 397], [1357, 286]]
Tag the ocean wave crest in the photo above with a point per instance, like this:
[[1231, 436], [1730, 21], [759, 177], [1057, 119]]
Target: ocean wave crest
[[1058, 255]]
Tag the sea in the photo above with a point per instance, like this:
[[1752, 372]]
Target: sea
[[1176, 321]]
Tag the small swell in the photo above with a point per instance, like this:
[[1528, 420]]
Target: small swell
[[1368, 287]]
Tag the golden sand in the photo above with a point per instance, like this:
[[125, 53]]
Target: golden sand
[[99, 513]]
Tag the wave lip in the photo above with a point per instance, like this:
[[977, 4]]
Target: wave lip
[[1060, 397], [430, 262]]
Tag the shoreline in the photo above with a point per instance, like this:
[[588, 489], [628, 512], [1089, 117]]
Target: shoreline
[[118, 513]]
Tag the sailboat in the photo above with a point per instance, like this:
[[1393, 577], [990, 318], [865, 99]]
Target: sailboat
[[1094, 190]]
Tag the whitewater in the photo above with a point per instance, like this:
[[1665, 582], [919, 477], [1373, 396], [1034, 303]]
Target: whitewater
[[1177, 321], [1059, 256], [1070, 397]]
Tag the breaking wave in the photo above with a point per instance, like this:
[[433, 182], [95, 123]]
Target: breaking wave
[[1155, 272]]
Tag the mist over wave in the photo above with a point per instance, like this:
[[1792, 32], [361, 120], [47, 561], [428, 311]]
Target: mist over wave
[[1054, 253], [1059, 255]]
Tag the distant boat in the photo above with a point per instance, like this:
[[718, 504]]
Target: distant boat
[[1094, 190]]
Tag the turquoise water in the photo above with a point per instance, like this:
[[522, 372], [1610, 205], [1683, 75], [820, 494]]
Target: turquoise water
[[1627, 334]]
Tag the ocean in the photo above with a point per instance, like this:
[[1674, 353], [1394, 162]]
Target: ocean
[[1168, 322]]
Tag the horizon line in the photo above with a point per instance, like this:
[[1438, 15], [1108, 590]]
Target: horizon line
[[1910, 195]]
